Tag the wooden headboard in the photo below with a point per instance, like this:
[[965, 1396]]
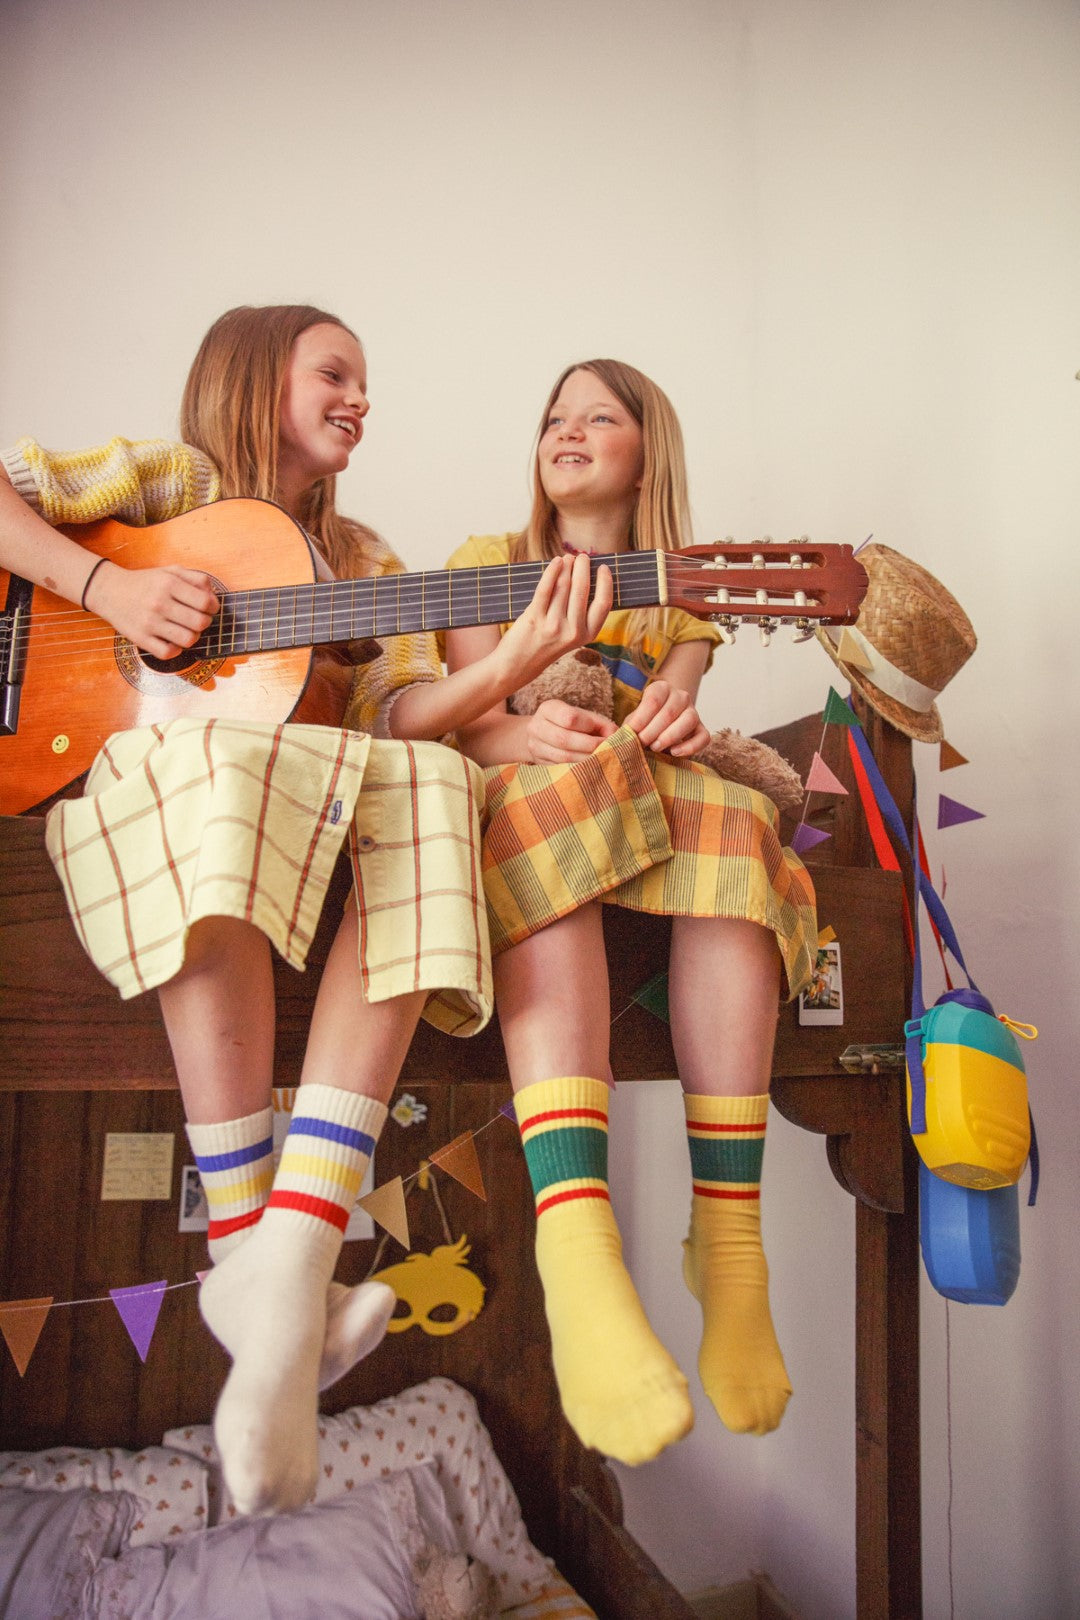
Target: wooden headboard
[[76, 1063]]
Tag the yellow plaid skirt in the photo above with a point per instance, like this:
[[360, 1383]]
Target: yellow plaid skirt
[[227, 818], [642, 831]]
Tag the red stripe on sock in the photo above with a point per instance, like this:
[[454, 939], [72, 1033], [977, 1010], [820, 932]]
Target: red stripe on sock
[[706, 1125], [235, 1223], [575, 1192], [333, 1214], [564, 1113], [723, 1192]]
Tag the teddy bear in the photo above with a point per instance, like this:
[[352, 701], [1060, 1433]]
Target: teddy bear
[[453, 1586], [583, 679]]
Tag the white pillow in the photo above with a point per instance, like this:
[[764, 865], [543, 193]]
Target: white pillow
[[170, 1486], [438, 1420]]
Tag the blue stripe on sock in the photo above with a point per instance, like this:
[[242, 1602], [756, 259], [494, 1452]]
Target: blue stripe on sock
[[359, 1141], [209, 1162]]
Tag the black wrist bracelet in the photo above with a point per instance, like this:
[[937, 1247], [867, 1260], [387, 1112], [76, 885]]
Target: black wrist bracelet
[[89, 577]]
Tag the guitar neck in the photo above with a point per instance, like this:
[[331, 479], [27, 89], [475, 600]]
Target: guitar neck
[[396, 604]]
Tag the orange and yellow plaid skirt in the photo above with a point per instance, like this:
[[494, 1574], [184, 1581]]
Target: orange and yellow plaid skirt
[[642, 831], [227, 818]]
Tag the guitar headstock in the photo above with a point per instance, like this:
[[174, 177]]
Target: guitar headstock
[[767, 584]]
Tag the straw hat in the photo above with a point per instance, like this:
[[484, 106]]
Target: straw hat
[[914, 636]]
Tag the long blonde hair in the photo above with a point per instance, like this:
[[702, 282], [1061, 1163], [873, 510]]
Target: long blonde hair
[[661, 517], [231, 410]]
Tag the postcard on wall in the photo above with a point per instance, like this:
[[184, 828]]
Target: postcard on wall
[[194, 1210], [138, 1164], [822, 1002]]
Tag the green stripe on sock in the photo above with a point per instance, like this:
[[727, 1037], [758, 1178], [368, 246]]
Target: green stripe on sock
[[722, 1160], [561, 1155]]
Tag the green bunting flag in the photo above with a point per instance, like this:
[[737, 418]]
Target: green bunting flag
[[653, 996], [837, 712]]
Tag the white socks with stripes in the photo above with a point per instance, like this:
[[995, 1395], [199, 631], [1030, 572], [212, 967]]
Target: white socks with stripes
[[267, 1301]]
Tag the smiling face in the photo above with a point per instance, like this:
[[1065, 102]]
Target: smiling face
[[322, 410], [591, 454]]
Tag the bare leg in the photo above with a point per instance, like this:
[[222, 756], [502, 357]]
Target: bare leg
[[268, 1300], [620, 1389], [723, 996]]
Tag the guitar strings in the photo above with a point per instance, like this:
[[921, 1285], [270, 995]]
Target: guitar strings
[[282, 608]]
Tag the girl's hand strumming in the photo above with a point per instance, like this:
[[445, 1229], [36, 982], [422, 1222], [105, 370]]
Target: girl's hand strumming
[[667, 722], [162, 610]]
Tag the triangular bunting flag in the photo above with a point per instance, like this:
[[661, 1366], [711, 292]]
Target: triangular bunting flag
[[837, 712], [138, 1308], [825, 937], [21, 1322], [949, 756], [459, 1160], [510, 1111], [805, 838], [387, 1206], [850, 653], [951, 812], [653, 996], [822, 780], [202, 1275]]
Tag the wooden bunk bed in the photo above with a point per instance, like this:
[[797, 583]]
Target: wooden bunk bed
[[75, 1063]]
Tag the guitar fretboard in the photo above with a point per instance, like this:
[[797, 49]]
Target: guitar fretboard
[[395, 604]]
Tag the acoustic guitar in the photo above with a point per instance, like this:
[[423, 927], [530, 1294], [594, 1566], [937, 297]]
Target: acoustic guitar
[[274, 651]]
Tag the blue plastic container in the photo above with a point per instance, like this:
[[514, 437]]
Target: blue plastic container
[[970, 1239]]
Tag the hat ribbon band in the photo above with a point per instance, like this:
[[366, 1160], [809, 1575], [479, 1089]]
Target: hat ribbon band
[[885, 676]]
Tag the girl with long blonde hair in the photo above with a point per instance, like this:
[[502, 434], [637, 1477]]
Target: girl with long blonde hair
[[605, 803], [199, 845]]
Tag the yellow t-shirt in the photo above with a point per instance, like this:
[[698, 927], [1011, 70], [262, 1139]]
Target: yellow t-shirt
[[631, 666]]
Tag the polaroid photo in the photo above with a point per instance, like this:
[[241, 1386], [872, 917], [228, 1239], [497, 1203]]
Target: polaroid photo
[[194, 1210], [822, 1002]]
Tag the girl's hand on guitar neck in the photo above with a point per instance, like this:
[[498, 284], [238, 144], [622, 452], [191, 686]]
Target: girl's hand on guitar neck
[[162, 610]]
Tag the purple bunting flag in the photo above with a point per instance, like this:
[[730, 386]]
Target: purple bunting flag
[[951, 812], [806, 837], [138, 1308]]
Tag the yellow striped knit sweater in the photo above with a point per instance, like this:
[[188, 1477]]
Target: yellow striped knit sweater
[[151, 480]]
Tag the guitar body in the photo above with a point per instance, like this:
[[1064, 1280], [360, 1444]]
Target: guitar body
[[83, 681]]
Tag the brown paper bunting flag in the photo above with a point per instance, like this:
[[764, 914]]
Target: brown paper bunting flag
[[387, 1206], [458, 1158], [949, 757], [850, 653], [21, 1322]]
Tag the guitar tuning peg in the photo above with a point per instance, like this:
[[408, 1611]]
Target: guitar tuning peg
[[766, 627], [805, 631], [727, 632]]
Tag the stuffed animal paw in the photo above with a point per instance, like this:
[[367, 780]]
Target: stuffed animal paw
[[453, 1586]]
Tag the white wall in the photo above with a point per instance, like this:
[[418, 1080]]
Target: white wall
[[844, 237]]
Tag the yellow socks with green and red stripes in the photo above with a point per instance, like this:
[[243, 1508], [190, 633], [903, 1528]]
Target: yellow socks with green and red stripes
[[236, 1167], [267, 1301], [620, 1390], [740, 1362]]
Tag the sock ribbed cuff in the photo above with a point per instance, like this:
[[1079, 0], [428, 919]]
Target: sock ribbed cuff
[[727, 1145], [331, 1137], [236, 1167], [564, 1131]]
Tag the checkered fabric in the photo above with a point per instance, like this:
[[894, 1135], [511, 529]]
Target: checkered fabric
[[227, 818], [556, 836], [548, 848]]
